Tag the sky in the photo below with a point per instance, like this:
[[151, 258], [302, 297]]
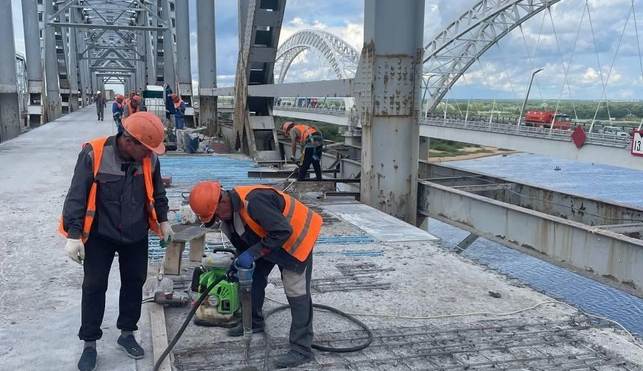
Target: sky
[[600, 59]]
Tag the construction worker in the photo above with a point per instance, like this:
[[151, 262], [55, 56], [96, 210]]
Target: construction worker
[[132, 105], [311, 144], [269, 228], [169, 103], [117, 112], [116, 196], [179, 112], [100, 105]]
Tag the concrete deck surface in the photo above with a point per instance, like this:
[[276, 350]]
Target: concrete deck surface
[[40, 286]]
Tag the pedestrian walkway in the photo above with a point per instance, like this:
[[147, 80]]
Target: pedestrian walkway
[[39, 285]]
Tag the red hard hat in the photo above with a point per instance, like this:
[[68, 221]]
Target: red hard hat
[[148, 129], [204, 199]]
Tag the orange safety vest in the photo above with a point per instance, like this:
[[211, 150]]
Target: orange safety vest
[[306, 224], [304, 132], [97, 147]]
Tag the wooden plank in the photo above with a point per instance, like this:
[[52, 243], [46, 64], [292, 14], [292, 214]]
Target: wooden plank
[[159, 336], [172, 261], [196, 248]]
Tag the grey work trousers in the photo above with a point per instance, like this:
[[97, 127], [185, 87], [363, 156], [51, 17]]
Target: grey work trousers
[[297, 288]]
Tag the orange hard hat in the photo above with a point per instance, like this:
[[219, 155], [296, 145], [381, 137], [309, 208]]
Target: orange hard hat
[[148, 129], [204, 199], [175, 97], [287, 126]]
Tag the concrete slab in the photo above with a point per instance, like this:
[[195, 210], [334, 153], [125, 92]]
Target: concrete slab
[[428, 308]]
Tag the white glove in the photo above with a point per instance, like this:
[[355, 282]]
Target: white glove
[[75, 250], [166, 230]]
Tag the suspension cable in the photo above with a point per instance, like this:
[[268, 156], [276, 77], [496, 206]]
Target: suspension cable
[[609, 73], [566, 67]]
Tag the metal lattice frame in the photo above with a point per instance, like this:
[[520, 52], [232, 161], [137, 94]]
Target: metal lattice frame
[[460, 44], [341, 57]]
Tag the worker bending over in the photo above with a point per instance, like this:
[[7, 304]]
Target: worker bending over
[[116, 196], [269, 228], [311, 144]]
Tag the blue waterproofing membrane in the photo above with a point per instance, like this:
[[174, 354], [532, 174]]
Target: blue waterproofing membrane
[[595, 181]]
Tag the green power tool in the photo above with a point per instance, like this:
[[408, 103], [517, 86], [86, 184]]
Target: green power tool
[[222, 306]]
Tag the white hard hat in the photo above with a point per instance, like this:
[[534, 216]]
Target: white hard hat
[[98, 92]]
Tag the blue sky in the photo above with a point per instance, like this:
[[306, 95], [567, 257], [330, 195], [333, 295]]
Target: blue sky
[[502, 72]]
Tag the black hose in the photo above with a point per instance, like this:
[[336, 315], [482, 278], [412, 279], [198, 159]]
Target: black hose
[[349, 317]]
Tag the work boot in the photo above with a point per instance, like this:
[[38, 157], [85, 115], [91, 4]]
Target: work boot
[[87, 360], [131, 347], [238, 330], [292, 359]]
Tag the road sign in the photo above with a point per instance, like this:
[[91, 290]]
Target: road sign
[[637, 143]]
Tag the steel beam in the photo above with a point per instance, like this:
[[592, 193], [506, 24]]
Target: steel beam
[[169, 74], [53, 106], [206, 49], [388, 102], [113, 27], [327, 88], [33, 60], [140, 45], [150, 44]]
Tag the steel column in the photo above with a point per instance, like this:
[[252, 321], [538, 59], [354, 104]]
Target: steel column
[[183, 69], [169, 74], [53, 106], [140, 45], [207, 64], [72, 66], [9, 108], [388, 96], [151, 41], [34, 61]]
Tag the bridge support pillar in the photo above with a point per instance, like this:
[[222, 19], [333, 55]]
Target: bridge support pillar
[[387, 90], [34, 62], [73, 63], [169, 74], [54, 100], [207, 65], [184, 72], [9, 108]]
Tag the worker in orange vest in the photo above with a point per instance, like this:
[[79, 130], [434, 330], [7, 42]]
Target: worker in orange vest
[[269, 228], [311, 145], [116, 196]]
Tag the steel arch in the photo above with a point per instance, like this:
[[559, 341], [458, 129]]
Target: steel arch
[[341, 57], [460, 44]]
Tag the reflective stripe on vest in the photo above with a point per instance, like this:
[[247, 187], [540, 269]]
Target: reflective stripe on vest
[[304, 132], [305, 223], [97, 149]]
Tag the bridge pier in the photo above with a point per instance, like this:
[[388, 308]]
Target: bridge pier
[[9, 111], [53, 106], [33, 61], [388, 84], [207, 65]]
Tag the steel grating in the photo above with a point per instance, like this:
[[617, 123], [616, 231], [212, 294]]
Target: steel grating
[[485, 345], [353, 277]]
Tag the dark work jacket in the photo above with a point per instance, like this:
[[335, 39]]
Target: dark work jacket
[[121, 214], [266, 208]]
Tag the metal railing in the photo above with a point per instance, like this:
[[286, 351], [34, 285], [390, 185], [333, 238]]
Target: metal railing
[[611, 140]]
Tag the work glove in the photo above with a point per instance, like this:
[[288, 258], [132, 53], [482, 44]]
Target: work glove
[[75, 250], [244, 260], [166, 231]]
